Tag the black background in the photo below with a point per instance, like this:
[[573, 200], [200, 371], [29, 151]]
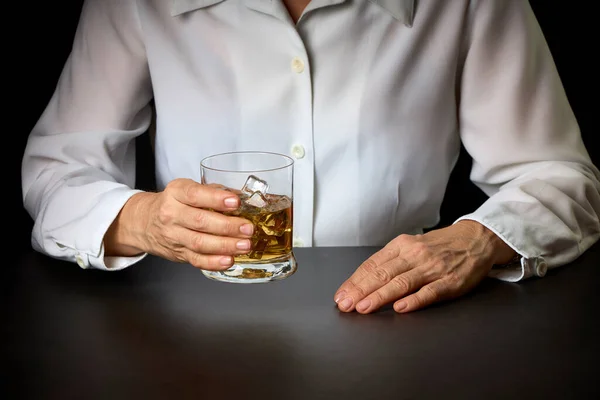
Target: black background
[[41, 39]]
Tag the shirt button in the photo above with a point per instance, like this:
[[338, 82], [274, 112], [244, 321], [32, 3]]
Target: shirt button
[[298, 242], [298, 151], [297, 65], [541, 269], [79, 261]]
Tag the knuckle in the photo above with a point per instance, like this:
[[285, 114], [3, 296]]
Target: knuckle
[[176, 185], [403, 237], [166, 213], [430, 293], [196, 260], [421, 247], [360, 291], [456, 281], [189, 192], [438, 265], [228, 227], [226, 247], [382, 275], [378, 297], [401, 284], [389, 252], [201, 220], [370, 265], [198, 243], [172, 185], [399, 240], [356, 291]]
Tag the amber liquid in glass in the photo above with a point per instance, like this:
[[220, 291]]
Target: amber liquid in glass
[[272, 239]]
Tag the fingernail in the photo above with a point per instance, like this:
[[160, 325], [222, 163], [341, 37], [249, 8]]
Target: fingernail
[[247, 229], [400, 306], [243, 245], [363, 305], [345, 304], [231, 202], [226, 261], [340, 296]]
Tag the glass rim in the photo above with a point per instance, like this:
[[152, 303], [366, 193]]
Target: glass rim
[[289, 161]]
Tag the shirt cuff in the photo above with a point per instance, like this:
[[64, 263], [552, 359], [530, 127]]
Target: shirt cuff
[[525, 267], [86, 246], [109, 263]]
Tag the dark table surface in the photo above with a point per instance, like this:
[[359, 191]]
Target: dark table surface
[[163, 330]]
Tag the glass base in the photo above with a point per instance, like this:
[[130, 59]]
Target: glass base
[[274, 270]]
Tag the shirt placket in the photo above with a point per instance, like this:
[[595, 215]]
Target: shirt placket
[[302, 145], [301, 134]]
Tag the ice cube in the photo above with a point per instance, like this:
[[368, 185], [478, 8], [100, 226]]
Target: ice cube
[[254, 184], [277, 202], [258, 247], [274, 224], [256, 200]]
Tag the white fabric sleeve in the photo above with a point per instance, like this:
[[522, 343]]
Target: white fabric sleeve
[[78, 169], [527, 150]]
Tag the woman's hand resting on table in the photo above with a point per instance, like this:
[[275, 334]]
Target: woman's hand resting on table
[[417, 271]]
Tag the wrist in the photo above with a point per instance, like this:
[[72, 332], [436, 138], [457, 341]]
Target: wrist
[[499, 252], [126, 236]]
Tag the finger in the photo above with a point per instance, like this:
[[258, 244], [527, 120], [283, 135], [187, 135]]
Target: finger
[[365, 269], [208, 262], [194, 194], [219, 186], [376, 279], [205, 243], [434, 292], [214, 223], [396, 288]]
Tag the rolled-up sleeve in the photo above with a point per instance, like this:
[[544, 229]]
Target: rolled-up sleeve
[[78, 168], [528, 154]]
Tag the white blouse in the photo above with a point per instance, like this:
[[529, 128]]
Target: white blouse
[[371, 98]]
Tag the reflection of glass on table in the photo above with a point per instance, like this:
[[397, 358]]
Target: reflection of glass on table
[[264, 183]]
